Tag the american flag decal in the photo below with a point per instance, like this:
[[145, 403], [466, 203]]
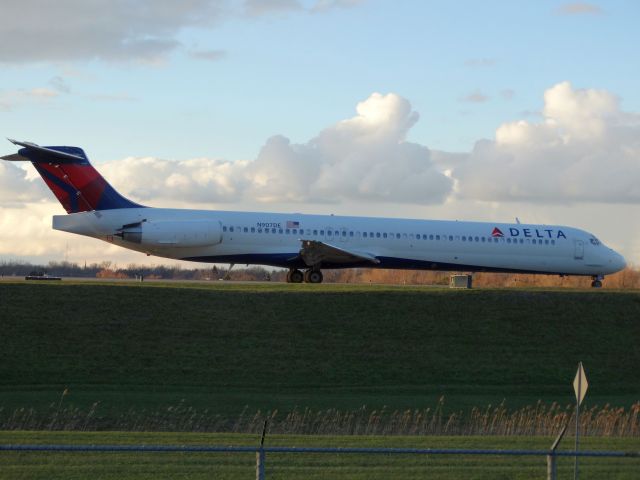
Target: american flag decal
[[291, 224]]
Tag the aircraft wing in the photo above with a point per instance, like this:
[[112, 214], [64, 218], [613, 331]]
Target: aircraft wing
[[314, 252]]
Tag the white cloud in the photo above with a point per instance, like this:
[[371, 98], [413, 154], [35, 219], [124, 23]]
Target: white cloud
[[16, 188], [365, 157], [166, 182], [584, 149], [9, 99]]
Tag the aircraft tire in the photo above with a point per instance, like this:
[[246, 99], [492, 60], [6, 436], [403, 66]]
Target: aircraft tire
[[313, 276], [596, 284], [294, 276]]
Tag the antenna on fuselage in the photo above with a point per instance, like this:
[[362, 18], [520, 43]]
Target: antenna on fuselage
[[517, 220]]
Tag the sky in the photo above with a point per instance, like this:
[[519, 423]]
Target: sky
[[422, 109]]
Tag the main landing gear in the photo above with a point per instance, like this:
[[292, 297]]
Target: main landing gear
[[309, 276], [597, 281]]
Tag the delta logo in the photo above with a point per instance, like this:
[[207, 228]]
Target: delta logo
[[530, 233]]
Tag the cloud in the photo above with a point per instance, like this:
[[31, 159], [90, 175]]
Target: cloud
[[256, 8], [584, 149], [475, 97], [16, 189], [209, 55], [9, 99], [197, 180], [60, 85], [365, 157], [123, 30], [579, 8]]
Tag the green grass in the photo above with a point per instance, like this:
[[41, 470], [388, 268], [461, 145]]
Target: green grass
[[39, 465], [138, 349]]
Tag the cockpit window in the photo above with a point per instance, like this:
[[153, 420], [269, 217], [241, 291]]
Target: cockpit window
[[594, 241]]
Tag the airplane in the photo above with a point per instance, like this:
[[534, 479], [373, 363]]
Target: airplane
[[306, 244]]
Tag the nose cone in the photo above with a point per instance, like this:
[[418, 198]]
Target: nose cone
[[616, 261]]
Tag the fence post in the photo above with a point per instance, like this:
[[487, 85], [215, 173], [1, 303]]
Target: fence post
[[552, 468], [552, 471], [260, 457], [260, 464]]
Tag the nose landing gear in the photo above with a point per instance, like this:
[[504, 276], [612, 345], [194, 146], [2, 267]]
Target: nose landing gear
[[597, 281]]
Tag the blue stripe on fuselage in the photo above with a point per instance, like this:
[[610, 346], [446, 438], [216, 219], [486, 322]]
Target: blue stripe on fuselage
[[292, 260]]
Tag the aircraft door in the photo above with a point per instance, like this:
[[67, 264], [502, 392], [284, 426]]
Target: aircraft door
[[579, 250]]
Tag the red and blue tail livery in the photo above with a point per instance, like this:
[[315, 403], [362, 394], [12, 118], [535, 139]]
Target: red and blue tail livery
[[306, 244], [72, 179]]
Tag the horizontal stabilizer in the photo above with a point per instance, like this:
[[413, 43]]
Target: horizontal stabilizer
[[35, 153]]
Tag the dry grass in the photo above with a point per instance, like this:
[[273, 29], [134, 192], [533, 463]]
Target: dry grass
[[539, 419]]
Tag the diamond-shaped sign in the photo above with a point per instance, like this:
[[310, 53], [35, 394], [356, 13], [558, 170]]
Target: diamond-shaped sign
[[580, 384]]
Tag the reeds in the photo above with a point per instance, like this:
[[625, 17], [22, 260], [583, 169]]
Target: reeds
[[538, 419]]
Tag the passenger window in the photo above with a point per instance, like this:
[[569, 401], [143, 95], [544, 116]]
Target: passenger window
[[295, 231], [273, 230], [231, 229], [287, 231], [397, 235], [344, 233], [431, 237], [280, 231], [477, 239], [245, 229], [417, 236], [483, 240], [224, 229], [377, 234], [315, 232], [259, 230], [384, 235], [464, 239], [364, 234], [329, 232], [253, 229], [321, 232], [351, 234]]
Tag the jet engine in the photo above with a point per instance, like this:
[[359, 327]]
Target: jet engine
[[178, 233]]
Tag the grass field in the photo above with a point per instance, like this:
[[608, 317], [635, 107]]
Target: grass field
[[132, 355], [106, 466]]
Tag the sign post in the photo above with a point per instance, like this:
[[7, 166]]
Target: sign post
[[580, 386]]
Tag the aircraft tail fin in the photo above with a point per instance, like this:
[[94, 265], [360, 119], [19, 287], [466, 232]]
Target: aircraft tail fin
[[72, 179]]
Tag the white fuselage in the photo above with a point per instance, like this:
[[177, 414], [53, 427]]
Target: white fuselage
[[275, 239]]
